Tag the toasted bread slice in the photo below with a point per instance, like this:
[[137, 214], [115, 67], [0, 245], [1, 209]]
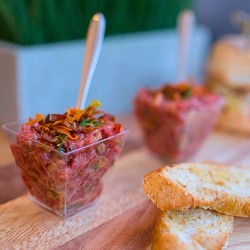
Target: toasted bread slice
[[220, 188], [194, 229]]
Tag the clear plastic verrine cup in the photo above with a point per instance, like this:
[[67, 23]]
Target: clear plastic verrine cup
[[175, 130], [63, 183]]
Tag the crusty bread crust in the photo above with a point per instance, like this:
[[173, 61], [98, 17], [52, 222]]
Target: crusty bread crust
[[198, 239], [164, 192], [170, 193], [163, 239]]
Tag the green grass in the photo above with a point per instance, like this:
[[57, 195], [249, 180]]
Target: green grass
[[29, 22]]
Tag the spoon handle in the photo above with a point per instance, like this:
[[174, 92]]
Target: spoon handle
[[186, 21], [93, 47]]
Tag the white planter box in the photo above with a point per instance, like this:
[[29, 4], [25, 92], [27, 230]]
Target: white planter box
[[46, 78]]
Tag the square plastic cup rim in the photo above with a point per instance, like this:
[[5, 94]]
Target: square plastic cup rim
[[6, 128]]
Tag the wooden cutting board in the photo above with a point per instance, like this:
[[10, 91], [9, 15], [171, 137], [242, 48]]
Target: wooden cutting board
[[122, 218]]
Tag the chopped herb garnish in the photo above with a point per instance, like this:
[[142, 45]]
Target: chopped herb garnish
[[56, 139], [96, 123], [90, 123], [60, 148], [86, 122], [95, 104], [59, 130], [62, 138], [187, 93], [180, 91]]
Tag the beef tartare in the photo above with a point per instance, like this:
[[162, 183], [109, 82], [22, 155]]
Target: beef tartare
[[175, 119], [63, 157]]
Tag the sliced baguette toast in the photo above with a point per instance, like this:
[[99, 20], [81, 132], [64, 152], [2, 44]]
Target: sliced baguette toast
[[194, 229], [190, 185]]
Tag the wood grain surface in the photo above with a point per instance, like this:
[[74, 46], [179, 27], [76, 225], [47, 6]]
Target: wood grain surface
[[131, 230], [26, 225], [240, 238], [122, 218]]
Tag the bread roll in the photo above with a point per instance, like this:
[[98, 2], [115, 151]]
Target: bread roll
[[228, 74], [229, 62]]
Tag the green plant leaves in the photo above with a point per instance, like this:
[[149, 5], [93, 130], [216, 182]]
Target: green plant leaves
[[30, 22]]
